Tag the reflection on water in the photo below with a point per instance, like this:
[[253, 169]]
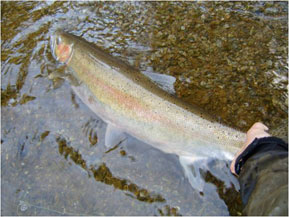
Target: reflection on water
[[229, 195], [103, 174], [230, 58], [90, 129]]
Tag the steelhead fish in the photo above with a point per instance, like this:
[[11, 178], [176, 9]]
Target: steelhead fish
[[129, 102]]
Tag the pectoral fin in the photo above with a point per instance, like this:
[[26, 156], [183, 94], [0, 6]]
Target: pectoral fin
[[113, 136]]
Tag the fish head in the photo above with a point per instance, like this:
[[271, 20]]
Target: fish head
[[62, 46]]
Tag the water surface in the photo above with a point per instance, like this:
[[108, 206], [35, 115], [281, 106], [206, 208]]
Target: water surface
[[229, 58]]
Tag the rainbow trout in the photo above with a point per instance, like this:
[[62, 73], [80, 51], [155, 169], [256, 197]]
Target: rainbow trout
[[129, 102]]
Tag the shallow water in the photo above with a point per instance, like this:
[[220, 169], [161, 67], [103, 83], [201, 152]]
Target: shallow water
[[228, 58]]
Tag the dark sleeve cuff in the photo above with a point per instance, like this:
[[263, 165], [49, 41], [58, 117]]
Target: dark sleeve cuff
[[260, 146]]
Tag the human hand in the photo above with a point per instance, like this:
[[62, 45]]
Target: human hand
[[258, 130]]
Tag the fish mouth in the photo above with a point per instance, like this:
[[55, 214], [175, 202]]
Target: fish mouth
[[54, 41], [61, 51]]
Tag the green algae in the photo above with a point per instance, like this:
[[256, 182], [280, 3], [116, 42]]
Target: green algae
[[230, 195], [103, 174]]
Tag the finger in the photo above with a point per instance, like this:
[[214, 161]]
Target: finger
[[232, 167], [258, 130], [259, 125]]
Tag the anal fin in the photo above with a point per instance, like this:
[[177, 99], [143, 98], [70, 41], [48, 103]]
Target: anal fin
[[113, 136]]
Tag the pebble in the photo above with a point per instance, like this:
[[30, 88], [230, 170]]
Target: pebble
[[23, 206], [271, 10]]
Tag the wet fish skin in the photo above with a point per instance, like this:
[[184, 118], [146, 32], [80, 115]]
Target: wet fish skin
[[130, 102]]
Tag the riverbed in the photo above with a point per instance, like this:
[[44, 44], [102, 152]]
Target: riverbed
[[229, 58]]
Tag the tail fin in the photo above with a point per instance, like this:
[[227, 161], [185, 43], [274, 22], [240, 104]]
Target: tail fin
[[195, 168], [191, 166]]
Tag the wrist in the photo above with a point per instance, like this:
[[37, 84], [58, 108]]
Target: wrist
[[259, 145]]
